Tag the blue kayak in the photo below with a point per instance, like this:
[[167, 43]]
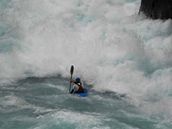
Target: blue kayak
[[84, 94]]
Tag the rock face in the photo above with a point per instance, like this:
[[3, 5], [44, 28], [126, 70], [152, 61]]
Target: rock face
[[157, 9]]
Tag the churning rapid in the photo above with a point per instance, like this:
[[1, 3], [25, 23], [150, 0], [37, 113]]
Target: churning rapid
[[125, 57]]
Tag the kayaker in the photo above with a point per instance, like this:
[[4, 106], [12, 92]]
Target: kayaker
[[77, 86]]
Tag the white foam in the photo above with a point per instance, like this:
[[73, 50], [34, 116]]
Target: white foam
[[109, 45], [12, 101], [75, 119]]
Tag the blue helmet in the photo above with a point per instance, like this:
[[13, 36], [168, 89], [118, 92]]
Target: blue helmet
[[78, 80]]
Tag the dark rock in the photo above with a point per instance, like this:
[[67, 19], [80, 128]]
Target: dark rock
[[157, 9]]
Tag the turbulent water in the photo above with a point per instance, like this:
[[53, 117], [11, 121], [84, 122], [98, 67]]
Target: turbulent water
[[124, 59]]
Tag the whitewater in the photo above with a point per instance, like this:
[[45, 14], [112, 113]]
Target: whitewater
[[122, 57]]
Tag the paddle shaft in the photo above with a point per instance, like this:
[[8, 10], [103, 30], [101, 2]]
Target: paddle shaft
[[71, 73]]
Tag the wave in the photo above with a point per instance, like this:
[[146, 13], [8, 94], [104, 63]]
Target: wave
[[110, 46]]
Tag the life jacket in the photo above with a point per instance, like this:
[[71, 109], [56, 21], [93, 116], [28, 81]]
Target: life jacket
[[81, 89]]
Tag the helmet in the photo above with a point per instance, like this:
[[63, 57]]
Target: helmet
[[78, 80]]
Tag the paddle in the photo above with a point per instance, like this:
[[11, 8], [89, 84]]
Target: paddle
[[71, 73]]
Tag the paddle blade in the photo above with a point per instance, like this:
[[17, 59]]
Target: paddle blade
[[71, 69]]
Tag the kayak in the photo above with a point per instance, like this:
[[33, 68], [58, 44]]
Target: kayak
[[84, 94]]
